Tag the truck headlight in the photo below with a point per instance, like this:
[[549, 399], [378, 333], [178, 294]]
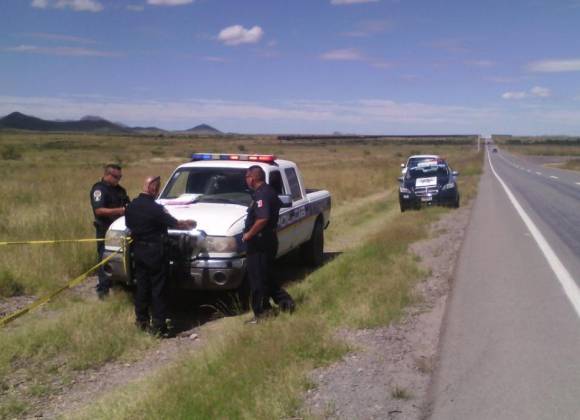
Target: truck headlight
[[221, 244], [115, 238], [448, 186], [404, 190]]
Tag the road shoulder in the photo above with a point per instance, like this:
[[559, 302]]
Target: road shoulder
[[388, 373]]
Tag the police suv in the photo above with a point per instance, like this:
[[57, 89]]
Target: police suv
[[428, 182], [211, 189]]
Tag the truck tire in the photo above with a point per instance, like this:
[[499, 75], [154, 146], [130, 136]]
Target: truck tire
[[403, 208], [242, 295], [313, 250], [456, 204]]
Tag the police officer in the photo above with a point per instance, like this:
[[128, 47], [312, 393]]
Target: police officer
[[108, 200], [148, 222], [262, 245]]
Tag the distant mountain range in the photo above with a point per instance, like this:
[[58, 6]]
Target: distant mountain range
[[89, 123]]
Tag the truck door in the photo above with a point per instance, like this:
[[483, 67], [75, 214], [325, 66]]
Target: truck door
[[275, 181], [297, 228]]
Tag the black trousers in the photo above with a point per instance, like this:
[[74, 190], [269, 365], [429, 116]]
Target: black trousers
[[104, 283], [151, 275], [264, 284]]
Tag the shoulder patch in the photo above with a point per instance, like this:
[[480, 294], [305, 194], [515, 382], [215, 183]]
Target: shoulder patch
[[260, 203], [97, 195]]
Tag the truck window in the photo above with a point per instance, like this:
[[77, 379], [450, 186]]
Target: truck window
[[275, 182], [293, 183]]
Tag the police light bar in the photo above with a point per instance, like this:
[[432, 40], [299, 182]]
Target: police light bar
[[219, 156]]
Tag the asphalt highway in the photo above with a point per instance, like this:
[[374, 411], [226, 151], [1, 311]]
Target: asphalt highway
[[510, 347]]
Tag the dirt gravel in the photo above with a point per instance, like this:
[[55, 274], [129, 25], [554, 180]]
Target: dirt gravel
[[389, 373]]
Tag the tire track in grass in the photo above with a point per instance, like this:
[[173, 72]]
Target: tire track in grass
[[355, 221]]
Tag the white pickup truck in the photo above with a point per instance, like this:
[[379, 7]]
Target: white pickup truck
[[211, 190]]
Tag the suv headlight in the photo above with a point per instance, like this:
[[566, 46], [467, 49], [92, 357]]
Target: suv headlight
[[448, 186], [404, 190], [221, 244], [115, 238]]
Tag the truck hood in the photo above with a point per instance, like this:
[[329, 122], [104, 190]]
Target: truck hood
[[213, 218]]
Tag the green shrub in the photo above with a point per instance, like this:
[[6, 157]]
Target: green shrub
[[10, 152], [9, 285]]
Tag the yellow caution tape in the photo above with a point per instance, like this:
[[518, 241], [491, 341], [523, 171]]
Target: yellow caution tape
[[56, 241], [74, 282]]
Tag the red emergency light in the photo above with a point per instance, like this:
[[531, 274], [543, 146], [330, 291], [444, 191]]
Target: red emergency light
[[238, 157]]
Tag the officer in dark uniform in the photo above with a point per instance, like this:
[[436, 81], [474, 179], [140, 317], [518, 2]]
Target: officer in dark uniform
[[108, 200], [262, 245], [148, 222]]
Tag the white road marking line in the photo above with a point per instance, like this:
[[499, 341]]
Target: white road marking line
[[554, 177], [538, 173], [566, 281], [578, 183]]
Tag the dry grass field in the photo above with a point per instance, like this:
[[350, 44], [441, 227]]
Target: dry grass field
[[542, 146], [46, 179]]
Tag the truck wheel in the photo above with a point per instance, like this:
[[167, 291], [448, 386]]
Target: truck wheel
[[242, 294], [313, 250], [403, 208], [456, 204]]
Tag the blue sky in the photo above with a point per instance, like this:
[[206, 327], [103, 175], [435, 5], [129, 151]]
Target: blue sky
[[297, 66]]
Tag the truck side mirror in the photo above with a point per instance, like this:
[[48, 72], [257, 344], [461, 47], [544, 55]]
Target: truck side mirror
[[286, 200], [402, 165], [455, 173]]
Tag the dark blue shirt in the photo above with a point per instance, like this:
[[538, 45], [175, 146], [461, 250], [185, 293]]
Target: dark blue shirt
[[265, 205], [107, 196], [147, 219]]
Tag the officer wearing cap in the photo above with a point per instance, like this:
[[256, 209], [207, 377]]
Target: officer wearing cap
[[148, 222], [108, 200], [262, 245]]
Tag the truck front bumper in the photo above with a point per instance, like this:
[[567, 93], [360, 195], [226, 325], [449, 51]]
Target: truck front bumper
[[204, 274], [217, 274]]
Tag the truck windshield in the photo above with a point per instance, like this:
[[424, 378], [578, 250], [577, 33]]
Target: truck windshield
[[212, 185]]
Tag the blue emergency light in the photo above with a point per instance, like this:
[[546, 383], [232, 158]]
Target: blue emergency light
[[217, 156]]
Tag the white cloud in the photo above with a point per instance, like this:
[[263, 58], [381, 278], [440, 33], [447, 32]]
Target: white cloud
[[169, 2], [535, 92], [237, 34], [347, 2], [344, 54], [540, 92], [40, 4], [61, 51], [357, 114], [555, 66], [76, 5], [514, 95]]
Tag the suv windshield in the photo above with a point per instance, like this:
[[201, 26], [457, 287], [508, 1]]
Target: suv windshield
[[213, 185], [416, 160], [439, 171]]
